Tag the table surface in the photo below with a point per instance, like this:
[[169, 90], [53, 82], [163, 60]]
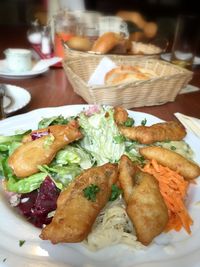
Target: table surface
[[53, 89]]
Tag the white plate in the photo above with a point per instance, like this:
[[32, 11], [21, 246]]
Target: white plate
[[167, 57], [6, 73], [6, 101], [177, 249], [16, 98]]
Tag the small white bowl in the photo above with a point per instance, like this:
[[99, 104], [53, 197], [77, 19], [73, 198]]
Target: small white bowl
[[18, 60]]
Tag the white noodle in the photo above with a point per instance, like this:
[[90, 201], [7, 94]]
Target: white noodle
[[112, 226]]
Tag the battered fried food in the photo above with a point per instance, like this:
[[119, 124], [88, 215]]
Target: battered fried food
[[75, 214], [25, 159], [127, 172], [57, 130], [172, 131], [145, 205], [174, 161], [120, 115]]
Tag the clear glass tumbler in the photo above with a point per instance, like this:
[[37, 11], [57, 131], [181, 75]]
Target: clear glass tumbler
[[185, 40]]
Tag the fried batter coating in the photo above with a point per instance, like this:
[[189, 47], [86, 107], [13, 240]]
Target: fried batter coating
[[120, 115], [25, 159], [174, 161], [127, 172], [56, 130], [75, 214], [172, 130], [145, 205]]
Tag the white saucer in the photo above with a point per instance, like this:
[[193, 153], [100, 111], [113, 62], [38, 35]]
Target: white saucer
[[167, 56], [6, 73], [15, 99]]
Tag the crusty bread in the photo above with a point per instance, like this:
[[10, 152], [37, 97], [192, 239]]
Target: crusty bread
[[79, 43], [106, 42], [145, 49], [124, 74]]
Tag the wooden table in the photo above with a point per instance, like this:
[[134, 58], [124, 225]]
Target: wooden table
[[53, 89]]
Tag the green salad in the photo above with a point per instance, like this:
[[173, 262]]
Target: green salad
[[102, 143]]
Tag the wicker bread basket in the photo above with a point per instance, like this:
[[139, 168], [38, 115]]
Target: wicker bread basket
[[164, 88], [75, 54]]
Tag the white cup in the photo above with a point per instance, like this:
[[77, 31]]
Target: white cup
[[18, 60], [112, 24]]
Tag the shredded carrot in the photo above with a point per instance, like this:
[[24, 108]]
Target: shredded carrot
[[173, 188]]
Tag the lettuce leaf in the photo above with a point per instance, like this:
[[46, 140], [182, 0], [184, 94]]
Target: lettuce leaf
[[62, 174], [12, 138], [71, 154], [101, 135], [25, 185], [44, 123]]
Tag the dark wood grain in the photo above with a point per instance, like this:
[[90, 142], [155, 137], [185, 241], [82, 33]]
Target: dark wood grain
[[53, 89]]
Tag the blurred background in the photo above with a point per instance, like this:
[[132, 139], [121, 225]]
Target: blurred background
[[23, 11], [163, 12]]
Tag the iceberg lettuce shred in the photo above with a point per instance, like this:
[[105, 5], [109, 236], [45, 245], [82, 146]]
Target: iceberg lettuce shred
[[100, 135]]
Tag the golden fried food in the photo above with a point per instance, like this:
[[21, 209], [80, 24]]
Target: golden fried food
[[75, 214], [145, 205], [174, 161], [147, 209], [172, 130], [120, 115], [25, 159], [56, 130], [126, 176]]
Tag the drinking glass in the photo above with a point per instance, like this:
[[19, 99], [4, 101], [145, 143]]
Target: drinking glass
[[88, 23], [185, 41], [113, 24], [65, 26]]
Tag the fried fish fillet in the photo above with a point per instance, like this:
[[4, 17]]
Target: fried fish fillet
[[25, 159], [172, 130], [75, 214], [176, 162], [127, 172], [145, 205], [120, 115]]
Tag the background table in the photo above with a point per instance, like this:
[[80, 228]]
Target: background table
[[53, 89]]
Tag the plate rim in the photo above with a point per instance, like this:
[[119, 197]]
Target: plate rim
[[153, 263], [11, 108]]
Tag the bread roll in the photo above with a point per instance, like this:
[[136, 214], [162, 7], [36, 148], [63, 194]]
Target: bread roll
[[124, 74], [79, 43], [106, 42], [139, 48], [150, 29]]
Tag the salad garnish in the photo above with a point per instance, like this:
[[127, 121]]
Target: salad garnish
[[21, 242], [115, 192], [91, 191], [144, 122]]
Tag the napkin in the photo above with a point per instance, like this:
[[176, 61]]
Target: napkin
[[190, 123], [97, 77], [189, 89], [45, 63]]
